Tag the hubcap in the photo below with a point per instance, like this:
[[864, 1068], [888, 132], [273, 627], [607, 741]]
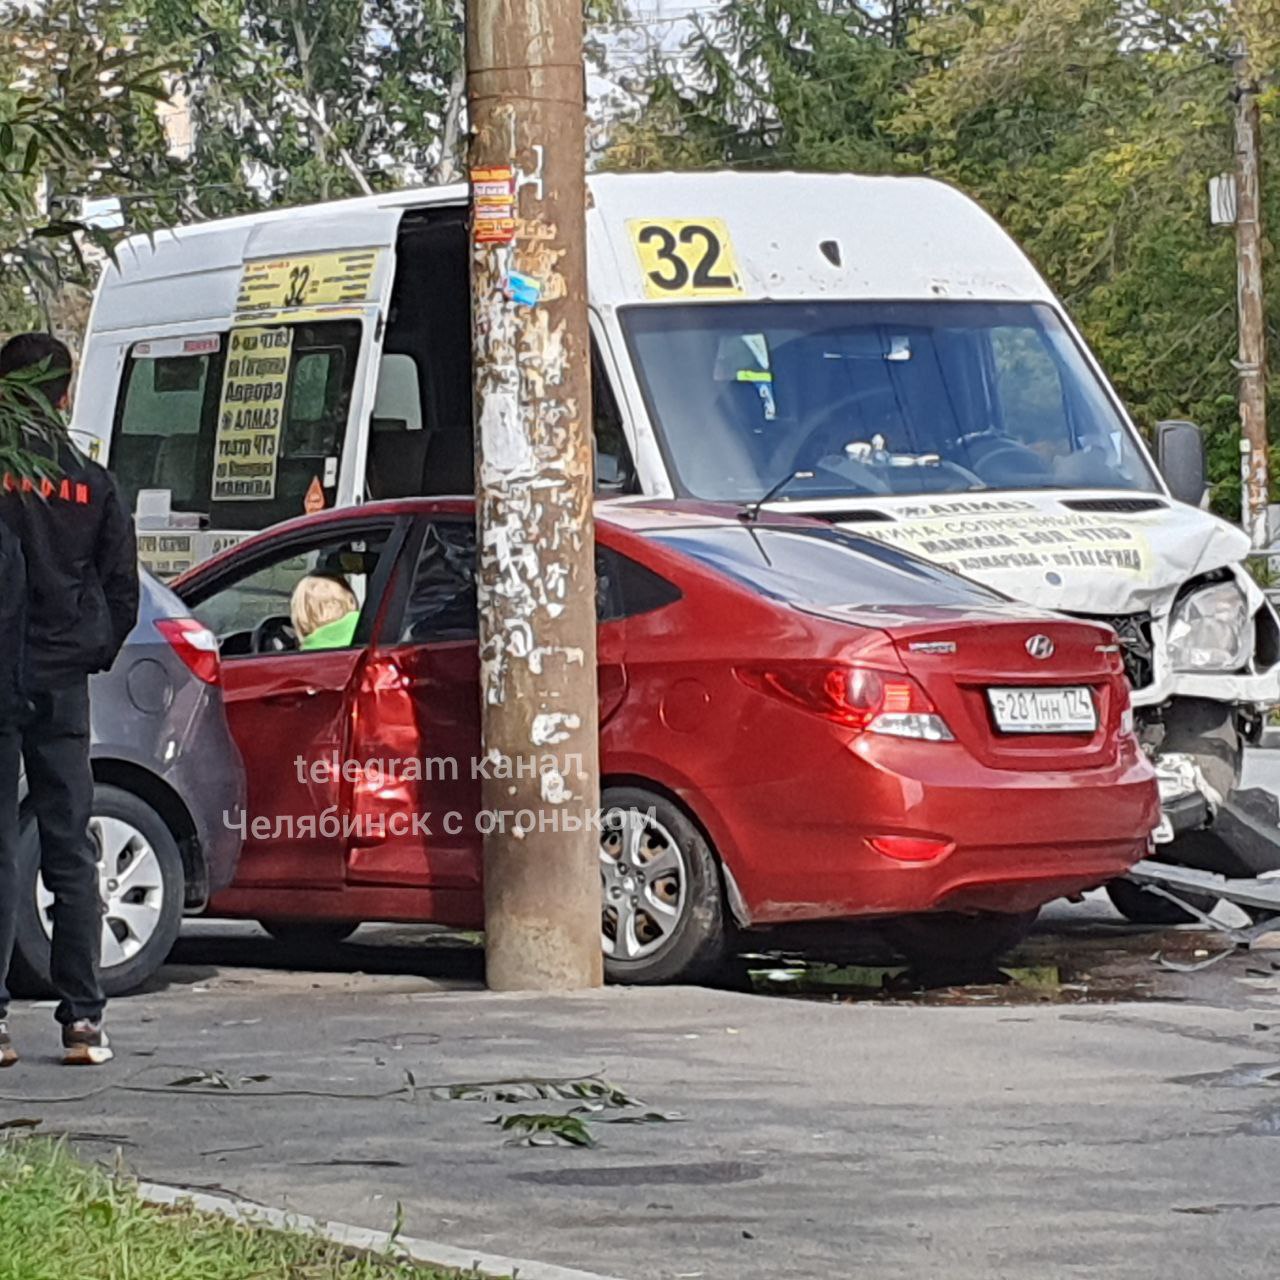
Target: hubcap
[[643, 876], [130, 884]]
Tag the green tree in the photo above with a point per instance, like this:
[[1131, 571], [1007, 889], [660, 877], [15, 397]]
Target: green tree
[[1089, 128], [77, 118], [77, 115], [297, 100]]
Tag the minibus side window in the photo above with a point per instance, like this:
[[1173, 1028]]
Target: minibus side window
[[615, 471], [164, 424]]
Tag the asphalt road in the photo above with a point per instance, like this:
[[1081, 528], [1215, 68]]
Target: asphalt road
[[1110, 1118], [1107, 1115], [1262, 769]]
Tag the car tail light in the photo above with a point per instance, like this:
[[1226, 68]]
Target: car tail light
[[195, 644], [861, 698]]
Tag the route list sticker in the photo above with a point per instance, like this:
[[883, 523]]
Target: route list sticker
[[251, 414], [307, 280]]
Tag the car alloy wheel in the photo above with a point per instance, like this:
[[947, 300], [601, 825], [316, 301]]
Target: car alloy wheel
[[645, 883], [130, 884]]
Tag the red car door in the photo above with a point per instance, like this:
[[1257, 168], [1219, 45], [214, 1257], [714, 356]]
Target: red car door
[[420, 700], [290, 709], [417, 726], [290, 717]]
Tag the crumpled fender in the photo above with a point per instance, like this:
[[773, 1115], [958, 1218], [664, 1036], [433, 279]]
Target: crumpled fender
[[1035, 547]]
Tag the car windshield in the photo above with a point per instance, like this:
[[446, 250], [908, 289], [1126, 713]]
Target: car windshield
[[876, 398], [825, 567]]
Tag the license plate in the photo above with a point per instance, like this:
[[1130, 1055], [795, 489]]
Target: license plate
[[1068, 710]]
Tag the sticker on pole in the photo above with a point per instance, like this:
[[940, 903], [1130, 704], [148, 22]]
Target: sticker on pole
[[686, 257], [493, 205], [307, 280]]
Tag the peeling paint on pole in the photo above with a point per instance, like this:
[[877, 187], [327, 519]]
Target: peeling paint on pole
[[534, 479], [1254, 469]]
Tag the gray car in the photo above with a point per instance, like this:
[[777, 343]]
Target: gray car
[[168, 796]]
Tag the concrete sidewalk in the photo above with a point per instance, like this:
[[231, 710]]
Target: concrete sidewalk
[[818, 1139]]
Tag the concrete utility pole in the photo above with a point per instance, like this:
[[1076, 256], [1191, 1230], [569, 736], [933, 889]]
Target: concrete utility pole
[[534, 480], [1252, 361]]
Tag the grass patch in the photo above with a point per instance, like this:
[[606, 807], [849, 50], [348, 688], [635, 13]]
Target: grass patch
[[61, 1219]]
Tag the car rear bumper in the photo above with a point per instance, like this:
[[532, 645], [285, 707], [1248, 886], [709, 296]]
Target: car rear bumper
[[800, 849]]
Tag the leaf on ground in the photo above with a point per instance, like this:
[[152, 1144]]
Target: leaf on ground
[[530, 1130], [21, 1122], [205, 1079], [215, 1080], [647, 1117], [513, 1091]]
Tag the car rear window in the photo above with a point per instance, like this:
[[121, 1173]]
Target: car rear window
[[825, 567]]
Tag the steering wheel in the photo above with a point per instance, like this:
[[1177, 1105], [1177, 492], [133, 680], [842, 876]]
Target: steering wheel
[[275, 635], [807, 454], [811, 449], [1009, 454]]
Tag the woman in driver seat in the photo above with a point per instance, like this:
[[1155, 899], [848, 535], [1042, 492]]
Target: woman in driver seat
[[325, 612]]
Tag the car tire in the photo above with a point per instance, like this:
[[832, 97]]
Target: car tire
[[131, 834], [1134, 903], [946, 938], [679, 928], [310, 933]]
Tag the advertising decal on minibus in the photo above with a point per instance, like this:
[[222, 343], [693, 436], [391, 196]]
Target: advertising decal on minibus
[[1032, 541], [251, 414]]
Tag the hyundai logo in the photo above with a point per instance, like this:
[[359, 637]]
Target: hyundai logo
[[1040, 647]]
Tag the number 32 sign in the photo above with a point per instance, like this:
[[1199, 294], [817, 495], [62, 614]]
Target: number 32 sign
[[686, 257]]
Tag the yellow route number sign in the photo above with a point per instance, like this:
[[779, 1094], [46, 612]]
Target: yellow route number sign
[[686, 257], [306, 280]]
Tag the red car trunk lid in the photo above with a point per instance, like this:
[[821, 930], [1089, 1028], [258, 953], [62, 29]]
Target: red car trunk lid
[[959, 655]]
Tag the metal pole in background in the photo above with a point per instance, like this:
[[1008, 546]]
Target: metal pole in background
[[534, 481], [1252, 360]]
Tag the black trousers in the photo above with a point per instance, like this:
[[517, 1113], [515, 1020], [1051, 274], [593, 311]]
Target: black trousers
[[53, 743]]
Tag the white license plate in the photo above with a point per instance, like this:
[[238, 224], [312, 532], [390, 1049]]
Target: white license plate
[[1068, 710]]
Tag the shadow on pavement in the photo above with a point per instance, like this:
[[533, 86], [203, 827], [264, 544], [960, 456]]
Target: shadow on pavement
[[383, 950]]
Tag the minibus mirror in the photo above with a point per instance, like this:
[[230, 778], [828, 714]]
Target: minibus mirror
[[1180, 456], [609, 477]]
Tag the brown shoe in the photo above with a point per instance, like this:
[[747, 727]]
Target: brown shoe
[[8, 1054], [85, 1044]]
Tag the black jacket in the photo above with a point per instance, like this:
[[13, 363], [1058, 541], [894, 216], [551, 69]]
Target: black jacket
[[81, 567], [13, 625]]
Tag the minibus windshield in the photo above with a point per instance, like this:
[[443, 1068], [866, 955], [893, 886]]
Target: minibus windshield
[[876, 399]]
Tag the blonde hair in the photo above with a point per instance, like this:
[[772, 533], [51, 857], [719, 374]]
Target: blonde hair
[[319, 600]]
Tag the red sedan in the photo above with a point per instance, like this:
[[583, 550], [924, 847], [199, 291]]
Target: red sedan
[[796, 724]]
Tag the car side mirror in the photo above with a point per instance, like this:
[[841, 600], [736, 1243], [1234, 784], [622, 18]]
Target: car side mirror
[[1180, 457]]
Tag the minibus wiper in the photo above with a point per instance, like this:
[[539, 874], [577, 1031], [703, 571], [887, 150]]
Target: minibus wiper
[[751, 512]]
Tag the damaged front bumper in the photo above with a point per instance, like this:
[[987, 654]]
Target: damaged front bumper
[[1187, 800], [1243, 827]]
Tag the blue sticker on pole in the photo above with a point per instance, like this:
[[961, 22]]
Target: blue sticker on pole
[[524, 291]]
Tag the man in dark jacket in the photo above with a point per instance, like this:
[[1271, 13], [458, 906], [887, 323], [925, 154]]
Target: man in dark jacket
[[77, 544]]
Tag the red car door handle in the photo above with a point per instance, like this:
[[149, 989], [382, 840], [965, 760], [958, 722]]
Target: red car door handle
[[292, 696]]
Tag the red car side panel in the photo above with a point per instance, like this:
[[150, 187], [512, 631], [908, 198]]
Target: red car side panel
[[282, 708]]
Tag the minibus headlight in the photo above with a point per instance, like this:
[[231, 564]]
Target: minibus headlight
[[1212, 630]]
